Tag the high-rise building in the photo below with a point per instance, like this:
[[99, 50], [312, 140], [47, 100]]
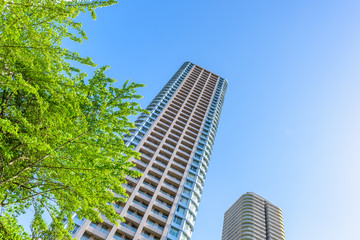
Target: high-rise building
[[253, 217], [175, 141]]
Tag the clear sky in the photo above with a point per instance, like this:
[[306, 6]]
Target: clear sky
[[290, 126]]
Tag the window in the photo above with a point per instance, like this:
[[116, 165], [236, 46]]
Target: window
[[190, 217], [104, 229], [94, 225], [86, 237], [189, 183], [188, 228], [193, 207], [75, 229], [184, 237], [181, 210], [184, 200], [197, 163], [191, 175], [177, 220], [117, 236], [186, 191], [174, 232], [193, 168], [197, 189], [195, 198]]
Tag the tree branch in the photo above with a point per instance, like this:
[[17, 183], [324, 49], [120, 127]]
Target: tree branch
[[44, 157]]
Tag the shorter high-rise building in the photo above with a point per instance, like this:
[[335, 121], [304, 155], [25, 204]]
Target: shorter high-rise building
[[253, 217]]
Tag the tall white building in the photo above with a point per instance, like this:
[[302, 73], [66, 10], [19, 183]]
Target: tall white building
[[175, 141], [253, 217]]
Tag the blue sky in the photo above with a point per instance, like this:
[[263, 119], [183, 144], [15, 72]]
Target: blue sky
[[289, 129]]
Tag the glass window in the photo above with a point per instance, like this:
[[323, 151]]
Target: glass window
[[186, 191], [174, 232], [184, 200], [193, 207], [118, 236], [191, 175], [177, 220], [190, 217], [94, 225], [195, 198], [193, 168], [184, 237], [196, 162], [86, 237], [188, 229], [189, 183], [75, 229], [181, 210]]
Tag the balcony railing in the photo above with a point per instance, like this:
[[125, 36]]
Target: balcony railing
[[159, 214], [139, 203], [128, 226], [173, 187], [155, 225], [135, 215], [163, 203], [149, 237], [147, 184], [167, 194], [145, 194]]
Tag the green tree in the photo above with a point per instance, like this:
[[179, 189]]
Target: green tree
[[61, 147]]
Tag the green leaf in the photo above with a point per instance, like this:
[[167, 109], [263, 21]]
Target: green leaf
[[61, 140]]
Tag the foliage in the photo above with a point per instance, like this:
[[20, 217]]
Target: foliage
[[61, 148]]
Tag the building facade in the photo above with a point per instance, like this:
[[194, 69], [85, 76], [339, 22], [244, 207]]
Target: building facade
[[175, 141], [253, 217]]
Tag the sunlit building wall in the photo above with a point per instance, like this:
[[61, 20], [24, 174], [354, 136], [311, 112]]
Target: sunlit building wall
[[175, 141]]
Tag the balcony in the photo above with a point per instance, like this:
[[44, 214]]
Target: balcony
[[148, 186], [160, 163], [155, 225], [147, 196], [140, 163], [149, 237], [158, 215], [153, 228], [157, 170], [138, 217], [153, 177], [141, 205], [177, 172], [171, 187], [179, 164], [163, 205], [132, 229], [95, 229], [173, 179], [168, 195], [165, 156]]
